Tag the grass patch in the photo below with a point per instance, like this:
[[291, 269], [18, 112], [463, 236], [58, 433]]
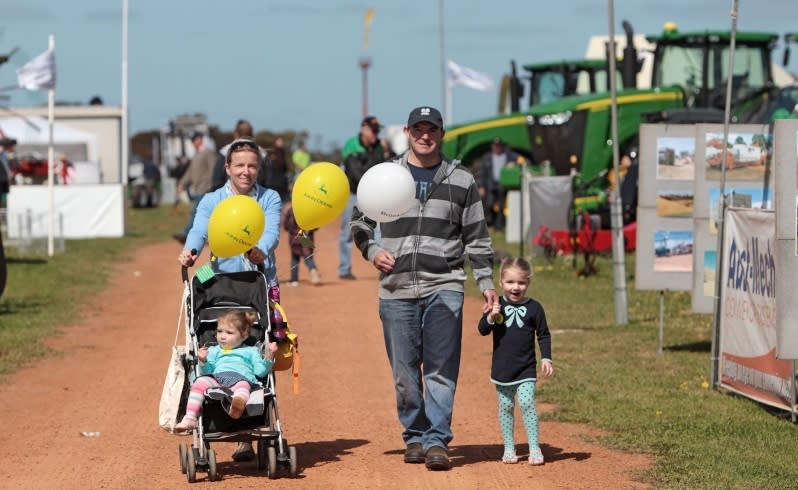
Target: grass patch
[[610, 377], [43, 293]]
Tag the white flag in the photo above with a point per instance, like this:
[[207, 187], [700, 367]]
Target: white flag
[[460, 76], [38, 73]]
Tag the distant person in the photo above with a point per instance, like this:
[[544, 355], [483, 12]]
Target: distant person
[[516, 321], [299, 250], [277, 169], [421, 261], [301, 157], [359, 154], [613, 182], [230, 364], [96, 100], [242, 130], [387, 149], [492, 192], [7, 161], [196, 179]]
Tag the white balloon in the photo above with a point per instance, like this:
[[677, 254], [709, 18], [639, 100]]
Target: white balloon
[[385, 192]]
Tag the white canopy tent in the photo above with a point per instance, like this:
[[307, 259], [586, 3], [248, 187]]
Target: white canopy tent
[[32, 134]]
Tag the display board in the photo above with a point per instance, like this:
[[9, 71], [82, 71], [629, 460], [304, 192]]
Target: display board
[[786, 200], [749, 184], [748, 363], [664, 254]]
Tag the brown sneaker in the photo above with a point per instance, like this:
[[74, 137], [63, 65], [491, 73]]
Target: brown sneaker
[[438, 459], [237, 405], [315, 277], [414, 453]]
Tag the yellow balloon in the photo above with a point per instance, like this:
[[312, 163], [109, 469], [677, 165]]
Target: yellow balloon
[[235, 226], [320, 195]]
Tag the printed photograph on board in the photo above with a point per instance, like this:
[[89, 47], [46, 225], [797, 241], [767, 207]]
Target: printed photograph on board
[[675, 158], [673, 250], [747, 155], [674, 204], [710, 263], [739, 197]]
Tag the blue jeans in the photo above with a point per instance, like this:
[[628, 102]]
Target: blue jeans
[[345, 238], [423, 338]]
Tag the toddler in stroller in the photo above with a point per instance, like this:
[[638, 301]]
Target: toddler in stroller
[[230, 353], [229, 364]]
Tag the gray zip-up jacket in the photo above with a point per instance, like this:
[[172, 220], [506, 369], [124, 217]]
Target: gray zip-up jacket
[[431, 241]]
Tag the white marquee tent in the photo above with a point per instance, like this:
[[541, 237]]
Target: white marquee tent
[[33, 134]]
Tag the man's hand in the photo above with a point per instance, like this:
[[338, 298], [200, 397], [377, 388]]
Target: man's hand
[[384, 261], [490, 300]]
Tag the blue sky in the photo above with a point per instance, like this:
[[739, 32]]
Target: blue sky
[[293, 64]]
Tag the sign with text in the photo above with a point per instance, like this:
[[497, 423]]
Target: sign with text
[[748, 362]]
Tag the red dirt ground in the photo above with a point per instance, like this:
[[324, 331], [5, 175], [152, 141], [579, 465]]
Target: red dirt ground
[[343, 423]]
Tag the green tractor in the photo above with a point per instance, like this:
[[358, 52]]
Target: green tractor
[[544, 83], [572, 135]]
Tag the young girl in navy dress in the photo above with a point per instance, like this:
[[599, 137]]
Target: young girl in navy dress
[[515, 322]]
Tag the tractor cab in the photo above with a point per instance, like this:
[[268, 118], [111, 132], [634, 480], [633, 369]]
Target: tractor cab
[[546, 82], [698, 63], [540, 83]]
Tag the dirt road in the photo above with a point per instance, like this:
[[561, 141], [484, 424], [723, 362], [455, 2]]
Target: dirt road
[[109, 376]]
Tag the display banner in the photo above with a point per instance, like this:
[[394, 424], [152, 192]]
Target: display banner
[[748, 363], [785, 145]]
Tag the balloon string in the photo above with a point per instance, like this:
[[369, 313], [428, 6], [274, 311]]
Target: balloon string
[[303, 259]]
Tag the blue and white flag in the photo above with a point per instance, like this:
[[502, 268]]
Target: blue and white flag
[[38, 73], [461, 76]]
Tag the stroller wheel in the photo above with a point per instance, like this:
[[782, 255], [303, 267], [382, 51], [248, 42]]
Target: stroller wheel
[[191, 467], [292, 467], [183, 450], [212, 475], [261, 454], [271, 454]]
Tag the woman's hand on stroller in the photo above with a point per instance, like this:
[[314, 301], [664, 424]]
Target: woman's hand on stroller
[[255, 255], [187, 257]]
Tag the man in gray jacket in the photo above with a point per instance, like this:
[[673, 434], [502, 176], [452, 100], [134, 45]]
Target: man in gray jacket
[[420, 258]]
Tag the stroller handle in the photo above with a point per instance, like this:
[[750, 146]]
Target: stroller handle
[[184, 269]]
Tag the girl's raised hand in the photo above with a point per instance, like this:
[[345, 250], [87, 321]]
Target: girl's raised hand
[[202, 353]]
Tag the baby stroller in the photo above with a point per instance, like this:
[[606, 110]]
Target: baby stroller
[[210, 296]]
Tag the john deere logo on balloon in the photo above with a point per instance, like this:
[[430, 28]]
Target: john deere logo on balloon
[[318, 201], [246, 230], [237, 239], [320, 194]]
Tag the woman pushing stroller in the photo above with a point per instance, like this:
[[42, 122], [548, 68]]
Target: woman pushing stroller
[[243, 160], [229, 364]]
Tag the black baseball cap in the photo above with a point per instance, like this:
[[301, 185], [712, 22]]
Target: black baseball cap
[[425, 114], [497, 141]]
